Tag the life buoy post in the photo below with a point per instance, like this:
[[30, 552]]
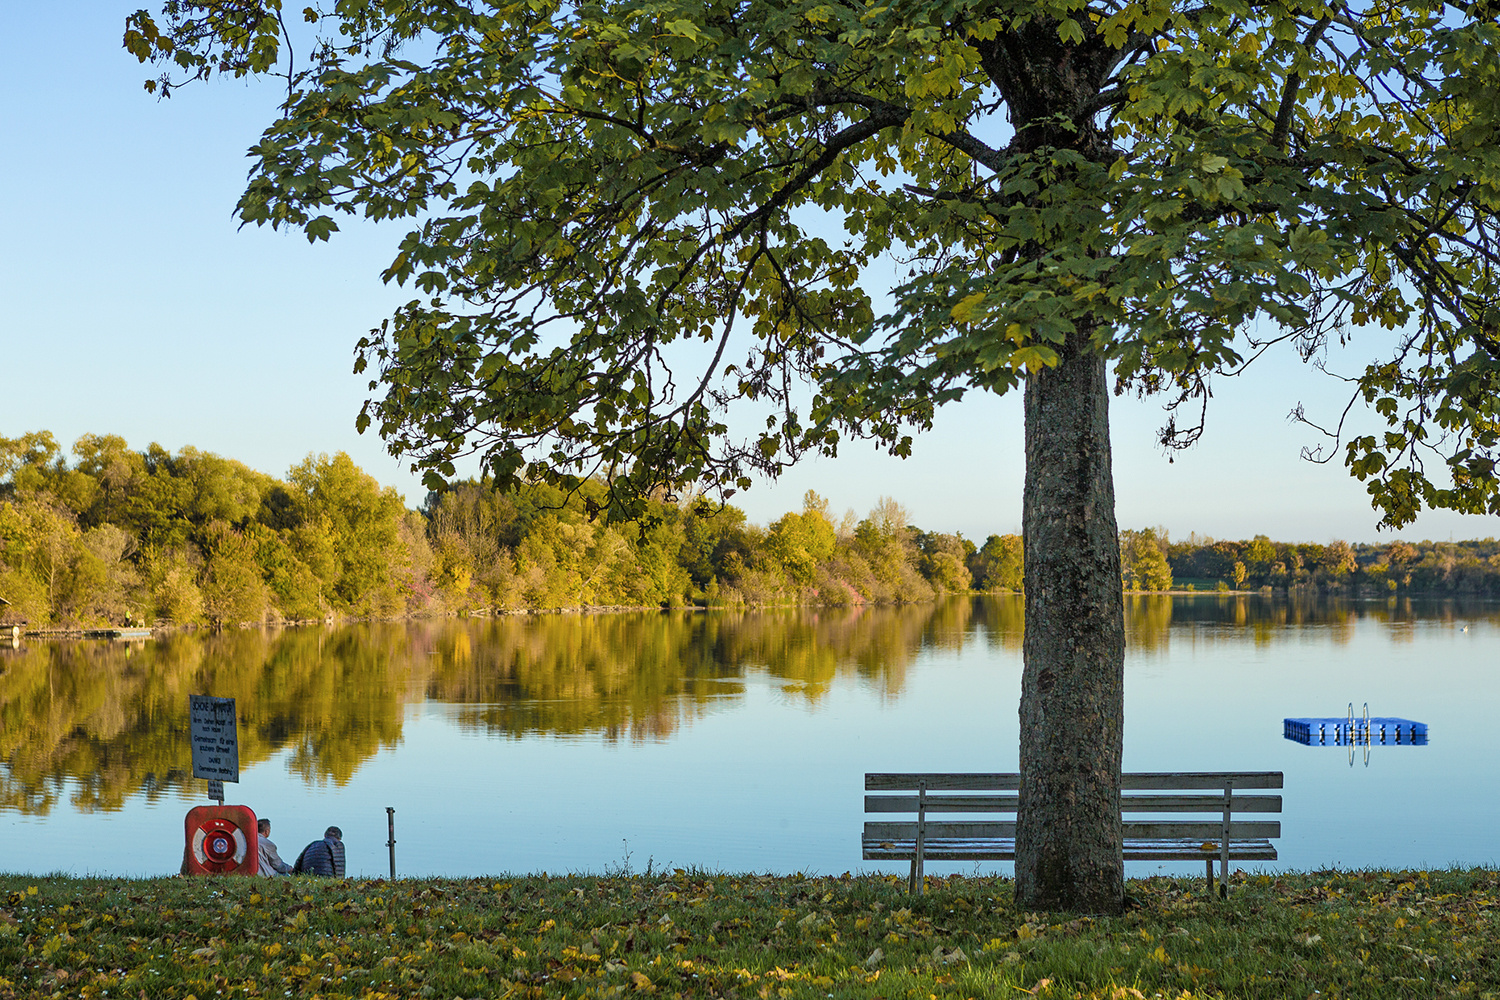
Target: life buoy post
[[222, 840]]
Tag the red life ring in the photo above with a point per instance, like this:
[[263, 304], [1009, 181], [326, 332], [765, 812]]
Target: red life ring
[[222, 840]]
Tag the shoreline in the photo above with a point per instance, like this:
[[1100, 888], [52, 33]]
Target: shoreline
[[19, 629]]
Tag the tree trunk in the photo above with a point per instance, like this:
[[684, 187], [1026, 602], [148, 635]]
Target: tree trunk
[[1068, 834]]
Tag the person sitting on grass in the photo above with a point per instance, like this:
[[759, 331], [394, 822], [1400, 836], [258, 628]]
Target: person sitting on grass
[[323, 857], [270, 861]]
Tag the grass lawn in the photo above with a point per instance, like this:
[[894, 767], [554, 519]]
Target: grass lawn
[[696, 934]]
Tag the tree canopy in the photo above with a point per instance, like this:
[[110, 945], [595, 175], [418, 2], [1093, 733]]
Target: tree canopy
[[600, 192], [595, 182]]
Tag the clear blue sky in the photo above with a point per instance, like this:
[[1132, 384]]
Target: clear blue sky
[[134, 305]]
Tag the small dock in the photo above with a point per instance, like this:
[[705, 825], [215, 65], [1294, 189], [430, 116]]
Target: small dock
[[1367, 731], [117, 633]]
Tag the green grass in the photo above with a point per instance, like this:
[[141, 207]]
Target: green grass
[[693, 934]]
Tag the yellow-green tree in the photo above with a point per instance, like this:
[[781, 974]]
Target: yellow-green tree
[[352, 530], [1143, 560], [234, 588], [800, 542], [1000, 563]]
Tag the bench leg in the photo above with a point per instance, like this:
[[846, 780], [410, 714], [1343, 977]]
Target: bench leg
[[915, 879], [1223, 878]]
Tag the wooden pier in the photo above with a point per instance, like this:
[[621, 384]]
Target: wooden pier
[[117, 633]]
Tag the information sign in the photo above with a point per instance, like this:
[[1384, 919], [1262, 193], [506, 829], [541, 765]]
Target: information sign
[[216, 745]]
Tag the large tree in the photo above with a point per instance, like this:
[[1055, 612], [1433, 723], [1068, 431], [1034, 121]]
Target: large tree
[[633, 216]]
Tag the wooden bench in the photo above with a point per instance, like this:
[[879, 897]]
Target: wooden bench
[[1154, 808]]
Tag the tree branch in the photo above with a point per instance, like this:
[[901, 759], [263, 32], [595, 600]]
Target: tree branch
[[1293, 84]]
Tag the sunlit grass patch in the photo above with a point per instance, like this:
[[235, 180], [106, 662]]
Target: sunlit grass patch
[[692, 934]]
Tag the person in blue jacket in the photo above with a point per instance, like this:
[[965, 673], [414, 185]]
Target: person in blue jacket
[[323, 857]]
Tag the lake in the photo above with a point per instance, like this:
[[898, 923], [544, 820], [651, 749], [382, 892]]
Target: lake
[[725, 741]]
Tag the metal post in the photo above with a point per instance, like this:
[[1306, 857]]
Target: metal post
[[390, 822], [1224, 840], [918, 877]]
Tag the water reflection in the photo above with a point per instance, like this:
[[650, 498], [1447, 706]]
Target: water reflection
[[1153, 620], [113, 717], [99, 722]]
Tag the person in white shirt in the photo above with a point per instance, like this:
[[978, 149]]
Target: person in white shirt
[[270, 861]]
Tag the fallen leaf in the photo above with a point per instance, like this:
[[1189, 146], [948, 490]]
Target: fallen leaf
[[876, 957]]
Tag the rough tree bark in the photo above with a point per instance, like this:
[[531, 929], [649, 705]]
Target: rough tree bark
[[1068, 836]]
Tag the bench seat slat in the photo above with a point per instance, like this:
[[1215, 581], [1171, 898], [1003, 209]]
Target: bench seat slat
[[1004, 849], [1149, 780], [1007, 803], [1134, 830]]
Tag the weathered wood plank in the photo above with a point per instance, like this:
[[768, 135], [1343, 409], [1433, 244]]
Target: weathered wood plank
[[1264, 852], [1199, 803], [1203, 831], [944, 803], [1156, 780], [1142, 780], [1240, 829], [971, 829], [943, 782], [962, 849], [1007, 803]]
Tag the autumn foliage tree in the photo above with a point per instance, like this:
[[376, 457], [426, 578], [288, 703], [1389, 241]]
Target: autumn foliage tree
[[1147, 191]]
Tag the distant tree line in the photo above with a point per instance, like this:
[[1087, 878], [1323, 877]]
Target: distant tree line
[[1438, 568], [116, 536], [1150, 561]]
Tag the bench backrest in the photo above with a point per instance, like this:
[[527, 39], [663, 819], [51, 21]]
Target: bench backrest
[[1146, 800]]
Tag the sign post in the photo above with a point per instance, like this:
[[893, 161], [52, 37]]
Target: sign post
[[215, 739]]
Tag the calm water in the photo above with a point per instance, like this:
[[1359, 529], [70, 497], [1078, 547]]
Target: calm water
[[725, 741]]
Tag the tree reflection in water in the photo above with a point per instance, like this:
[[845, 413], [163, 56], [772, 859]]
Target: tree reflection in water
[[101, 722]]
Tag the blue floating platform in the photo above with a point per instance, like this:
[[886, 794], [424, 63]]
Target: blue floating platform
[[1383, 731]]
